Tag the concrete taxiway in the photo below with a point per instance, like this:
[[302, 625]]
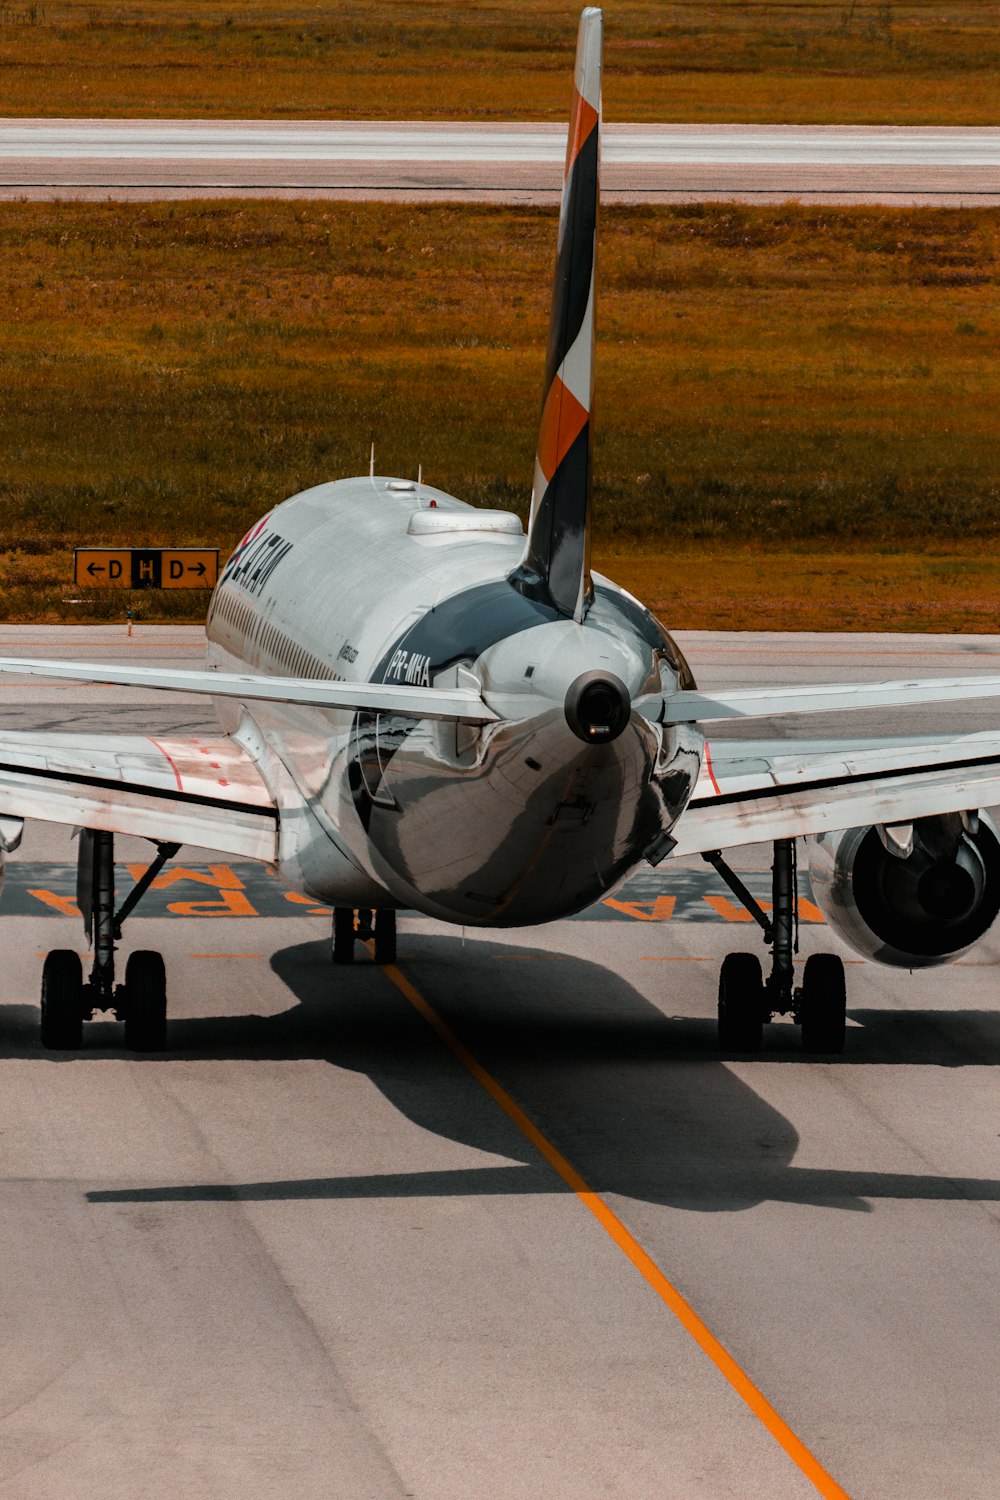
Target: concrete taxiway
[[308, 1252], [518, 163]]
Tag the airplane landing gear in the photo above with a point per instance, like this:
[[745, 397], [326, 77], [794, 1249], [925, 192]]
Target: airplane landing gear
[[141, 1002], [742, 1005], [747, 1001], [361, 925], [823, 1004], [62, 1001], [145, 1008]]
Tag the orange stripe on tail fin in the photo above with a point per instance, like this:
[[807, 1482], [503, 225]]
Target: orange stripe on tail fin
[[563, 419]]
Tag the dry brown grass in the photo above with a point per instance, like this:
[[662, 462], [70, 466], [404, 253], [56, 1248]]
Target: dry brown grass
[[753, 588], [827, 61], [766, 377]]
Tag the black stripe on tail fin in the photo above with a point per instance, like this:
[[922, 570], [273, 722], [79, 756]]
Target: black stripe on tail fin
[[556, 563]]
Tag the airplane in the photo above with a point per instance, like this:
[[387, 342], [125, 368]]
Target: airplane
[[424, 706]]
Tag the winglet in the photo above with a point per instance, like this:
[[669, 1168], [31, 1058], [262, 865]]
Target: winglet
[[556, 563]]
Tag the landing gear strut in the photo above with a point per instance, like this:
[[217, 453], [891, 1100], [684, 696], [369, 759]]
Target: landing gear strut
[[747, 1001], [141, 1002], [361, 925]]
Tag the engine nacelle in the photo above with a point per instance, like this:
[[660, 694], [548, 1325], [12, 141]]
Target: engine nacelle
[[909, 897]]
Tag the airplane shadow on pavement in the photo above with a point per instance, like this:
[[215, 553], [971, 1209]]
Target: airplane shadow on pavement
[[639, 1103]]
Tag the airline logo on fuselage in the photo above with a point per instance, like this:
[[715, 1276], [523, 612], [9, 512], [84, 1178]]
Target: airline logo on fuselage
[[410, 667], [253, 565]]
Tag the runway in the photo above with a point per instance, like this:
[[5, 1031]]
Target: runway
[[308, 1252], [414, 162]]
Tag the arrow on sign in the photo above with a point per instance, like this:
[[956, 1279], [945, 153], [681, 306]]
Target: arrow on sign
[[93, 568], [200, 569]]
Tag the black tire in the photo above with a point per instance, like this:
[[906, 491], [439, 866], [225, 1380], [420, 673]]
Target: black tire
[[742, 1007], [342, 950], [62, 1001], [145, 1002], [823, 1004], [385, 937]]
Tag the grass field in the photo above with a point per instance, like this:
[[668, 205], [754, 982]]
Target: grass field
[[767, 378], [821, 61], [947, 588]]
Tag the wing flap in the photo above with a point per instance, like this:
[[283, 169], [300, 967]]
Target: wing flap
[[758, 791], [199, 791], [829, 697]]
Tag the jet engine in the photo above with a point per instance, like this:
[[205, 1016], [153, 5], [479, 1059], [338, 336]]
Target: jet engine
[[909, 895]]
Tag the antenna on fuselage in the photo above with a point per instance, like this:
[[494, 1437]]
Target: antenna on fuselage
[[420, 477], [371, 462], [555, 568]]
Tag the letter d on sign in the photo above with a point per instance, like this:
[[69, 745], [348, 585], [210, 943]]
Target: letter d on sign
[[114, 568], [176, 568]]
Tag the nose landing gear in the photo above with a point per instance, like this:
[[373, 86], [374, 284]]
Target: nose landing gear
[[747, 1001], [141, 1002]]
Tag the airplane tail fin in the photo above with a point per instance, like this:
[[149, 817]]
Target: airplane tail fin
[[556, 562]]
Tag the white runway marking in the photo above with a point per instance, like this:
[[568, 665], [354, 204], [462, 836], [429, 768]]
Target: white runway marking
[[510, 162], [627, 145]]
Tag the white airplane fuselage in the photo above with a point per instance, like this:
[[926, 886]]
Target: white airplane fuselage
[[504, 824]]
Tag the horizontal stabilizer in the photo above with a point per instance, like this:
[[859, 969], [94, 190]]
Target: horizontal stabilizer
[[461, 704], [818, 698]]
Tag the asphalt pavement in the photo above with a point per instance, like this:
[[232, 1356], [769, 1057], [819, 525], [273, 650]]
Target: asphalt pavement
[[411, 161], [309, 1252]]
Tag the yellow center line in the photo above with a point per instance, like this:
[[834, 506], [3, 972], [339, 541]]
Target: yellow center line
[[609, 1221], [226, 955], [673, 958]]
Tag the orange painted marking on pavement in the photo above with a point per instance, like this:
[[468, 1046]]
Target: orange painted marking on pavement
[[65, 905], [219, 877], [227, 955], [609, 1221], [660, 910], [307, 901], [230, 904], [808, 912], [673, 958]]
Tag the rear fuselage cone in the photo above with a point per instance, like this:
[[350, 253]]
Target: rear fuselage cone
[[539, 815]]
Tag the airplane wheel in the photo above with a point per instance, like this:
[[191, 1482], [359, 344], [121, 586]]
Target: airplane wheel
[[145, 1002], [342, 951], [823, 1004], [62, 1001], [741, 1003], [385, 937]]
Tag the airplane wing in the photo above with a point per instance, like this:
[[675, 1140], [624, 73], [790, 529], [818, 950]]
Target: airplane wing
[[755, 791], [826, 697], [204, 791], [200, 791], [464, 704]]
